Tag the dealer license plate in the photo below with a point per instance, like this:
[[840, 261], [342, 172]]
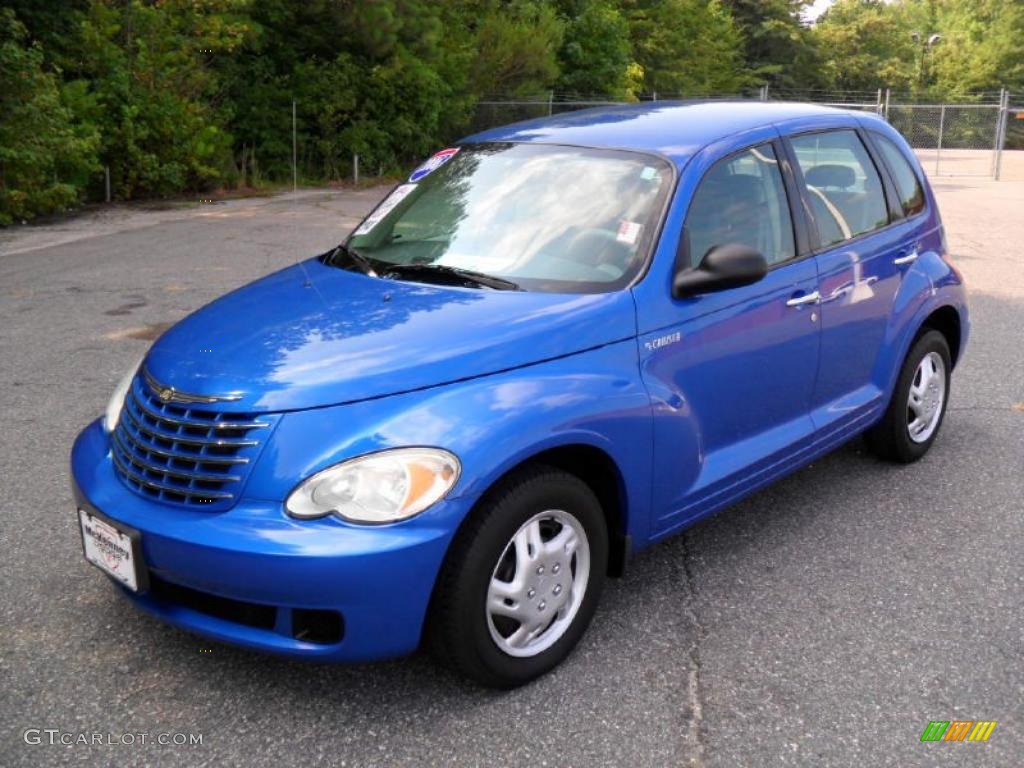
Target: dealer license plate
[[109, 549]]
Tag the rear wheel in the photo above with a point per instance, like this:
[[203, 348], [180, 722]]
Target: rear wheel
[[918, 405], [522, 580]]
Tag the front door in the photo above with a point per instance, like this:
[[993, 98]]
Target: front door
[[732, 376]]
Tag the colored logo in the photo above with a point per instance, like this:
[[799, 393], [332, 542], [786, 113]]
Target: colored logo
[[958, 730], [434, 163]]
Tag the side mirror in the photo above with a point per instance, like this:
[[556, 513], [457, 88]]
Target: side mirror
[[724, 266]]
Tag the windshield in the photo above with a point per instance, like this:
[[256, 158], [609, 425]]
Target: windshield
[[543, 217]]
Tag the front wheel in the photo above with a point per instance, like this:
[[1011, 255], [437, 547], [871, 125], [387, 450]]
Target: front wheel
[[522, 580], [915, 413]]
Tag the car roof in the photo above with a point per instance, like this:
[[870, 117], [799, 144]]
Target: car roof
[[675, 129]]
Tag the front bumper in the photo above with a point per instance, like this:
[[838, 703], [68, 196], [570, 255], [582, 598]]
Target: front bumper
[[378, 578]]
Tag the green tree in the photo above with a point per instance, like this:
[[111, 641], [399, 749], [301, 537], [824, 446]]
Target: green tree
[[868, 45], [687, 47], [45, 156], [181, 95], [778, 47], [149, 87], [982, 46], [596, 57], [517, 45], [51, 24], [386, 80]]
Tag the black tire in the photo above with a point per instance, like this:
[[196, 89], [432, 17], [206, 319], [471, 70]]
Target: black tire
[[458, 629], [890, 439]]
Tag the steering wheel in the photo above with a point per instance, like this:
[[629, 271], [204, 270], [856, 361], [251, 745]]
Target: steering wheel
[[600, 249]]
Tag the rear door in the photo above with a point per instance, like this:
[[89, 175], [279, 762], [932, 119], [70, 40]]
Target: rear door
[[861, 253]]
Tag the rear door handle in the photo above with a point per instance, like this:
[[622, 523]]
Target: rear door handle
[[808, 298], [909, 258]]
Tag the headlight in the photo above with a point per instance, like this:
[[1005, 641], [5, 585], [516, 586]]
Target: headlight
[[380, 487], [113, 413]]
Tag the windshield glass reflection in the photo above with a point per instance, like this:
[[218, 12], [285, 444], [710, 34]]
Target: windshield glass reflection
[[549, 218]]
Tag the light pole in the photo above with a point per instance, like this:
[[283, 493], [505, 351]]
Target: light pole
[[926, 43]]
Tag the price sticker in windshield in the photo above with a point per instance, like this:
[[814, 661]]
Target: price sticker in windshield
[[629, 231], [401, 192]]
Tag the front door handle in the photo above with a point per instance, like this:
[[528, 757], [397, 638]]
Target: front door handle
[[808, 298], [909, 258]]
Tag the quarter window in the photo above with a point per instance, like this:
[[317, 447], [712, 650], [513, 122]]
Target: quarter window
[[907, 184], [843, 186], [742, 199]]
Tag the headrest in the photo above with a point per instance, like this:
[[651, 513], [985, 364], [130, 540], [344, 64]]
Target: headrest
[[829, 175]]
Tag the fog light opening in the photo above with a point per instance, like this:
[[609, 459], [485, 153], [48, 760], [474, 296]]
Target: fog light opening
[[317, 626]]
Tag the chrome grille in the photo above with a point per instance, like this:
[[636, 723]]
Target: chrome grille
[[188, 450]]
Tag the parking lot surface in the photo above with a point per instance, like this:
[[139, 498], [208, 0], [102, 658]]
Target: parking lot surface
[[822, 622]]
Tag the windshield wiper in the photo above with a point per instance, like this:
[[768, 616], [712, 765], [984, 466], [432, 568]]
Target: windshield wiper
[[355, 257], [463, 275]]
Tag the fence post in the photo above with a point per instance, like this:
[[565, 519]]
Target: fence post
[[878, 102], [295, 144], [355, 168], [887, 94], [1004, 113], [995, 143], [551, 103], [106, 180], [938, 146]]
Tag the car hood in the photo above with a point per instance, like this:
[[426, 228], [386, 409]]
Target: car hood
[[314, 335]]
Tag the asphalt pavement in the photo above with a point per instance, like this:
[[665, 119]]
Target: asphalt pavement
[[822, 622]]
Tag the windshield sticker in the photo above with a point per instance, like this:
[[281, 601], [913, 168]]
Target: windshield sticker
[[649, 173], [629, 231], [434, 163], [401, 192]]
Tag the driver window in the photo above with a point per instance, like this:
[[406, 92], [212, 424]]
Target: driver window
[[742, 199]]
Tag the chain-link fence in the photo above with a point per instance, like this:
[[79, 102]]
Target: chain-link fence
[[951, 139], [1010, 164], [982, 137]]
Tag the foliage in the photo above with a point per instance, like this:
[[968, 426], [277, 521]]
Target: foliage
[[979, 45], [515, 44], [869, 43], [982, 46], [686, 47], [596, 57], [148, 84], [45, 155], [778, 47], [182, 95]]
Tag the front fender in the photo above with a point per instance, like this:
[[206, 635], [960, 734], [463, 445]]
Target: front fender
[[491, 423], [930, 284]]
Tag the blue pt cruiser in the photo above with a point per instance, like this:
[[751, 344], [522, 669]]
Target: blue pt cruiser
[[555, 344]]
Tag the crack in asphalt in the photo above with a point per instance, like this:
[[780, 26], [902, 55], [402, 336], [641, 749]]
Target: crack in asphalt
[[694, 690]]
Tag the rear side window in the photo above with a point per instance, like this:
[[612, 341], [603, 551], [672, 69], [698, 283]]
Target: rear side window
[[907, 184], [742, 199], [843, 185]]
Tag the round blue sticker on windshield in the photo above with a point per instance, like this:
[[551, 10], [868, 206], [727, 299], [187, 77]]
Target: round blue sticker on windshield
[[434, 163]]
